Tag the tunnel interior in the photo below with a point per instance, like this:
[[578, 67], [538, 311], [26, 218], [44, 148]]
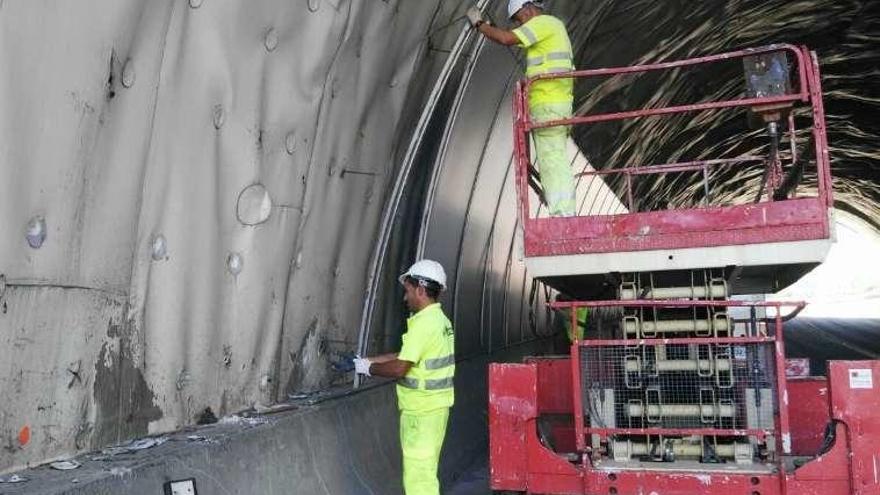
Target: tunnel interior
[[139, 290]]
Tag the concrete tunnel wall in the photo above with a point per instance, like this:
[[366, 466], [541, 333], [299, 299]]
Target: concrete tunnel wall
[[227, 191]]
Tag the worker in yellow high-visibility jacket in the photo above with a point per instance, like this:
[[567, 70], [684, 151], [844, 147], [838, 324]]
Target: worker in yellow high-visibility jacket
[[424, 367], [548, 51], [581, 315], [564, 319]]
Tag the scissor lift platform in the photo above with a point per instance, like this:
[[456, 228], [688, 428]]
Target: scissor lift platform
[[764, 242]]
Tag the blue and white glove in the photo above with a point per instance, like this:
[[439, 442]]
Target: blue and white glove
[[362, 366], [345, 363]]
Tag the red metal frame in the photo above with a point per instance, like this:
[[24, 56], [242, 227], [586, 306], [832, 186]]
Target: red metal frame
[[783, 425], [521, 393], [682, 303], [578, 412], [520, 462], [604, 432], [802, 218], [810, 394]]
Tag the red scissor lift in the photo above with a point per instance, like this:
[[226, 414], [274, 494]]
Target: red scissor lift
[[685, 391]]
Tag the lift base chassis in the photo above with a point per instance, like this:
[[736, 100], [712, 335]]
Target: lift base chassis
[[520, 460]]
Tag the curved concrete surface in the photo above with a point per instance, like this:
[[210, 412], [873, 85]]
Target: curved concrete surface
[[215, 182]]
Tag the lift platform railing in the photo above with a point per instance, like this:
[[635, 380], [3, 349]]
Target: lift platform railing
[[723, 381], [701, 173], [704, 177]]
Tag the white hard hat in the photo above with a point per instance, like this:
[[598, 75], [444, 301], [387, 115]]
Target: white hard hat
[[514, 6], [428, 270]]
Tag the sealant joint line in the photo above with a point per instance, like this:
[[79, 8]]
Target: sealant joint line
[[446, 26], [356, 172]]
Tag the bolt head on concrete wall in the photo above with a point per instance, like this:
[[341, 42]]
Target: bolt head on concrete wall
[[159, 248], [234, 263], [254, 205], [36, 232]]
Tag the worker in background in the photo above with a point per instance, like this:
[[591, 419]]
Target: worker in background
[[548, 51], [582, 313], [424, 367]]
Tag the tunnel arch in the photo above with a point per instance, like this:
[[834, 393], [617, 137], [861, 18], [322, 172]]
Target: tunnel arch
[[147, 120]]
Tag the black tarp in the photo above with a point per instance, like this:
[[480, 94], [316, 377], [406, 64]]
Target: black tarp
[[824, 339]]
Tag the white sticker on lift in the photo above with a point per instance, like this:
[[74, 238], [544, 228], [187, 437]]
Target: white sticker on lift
[[861, 378]]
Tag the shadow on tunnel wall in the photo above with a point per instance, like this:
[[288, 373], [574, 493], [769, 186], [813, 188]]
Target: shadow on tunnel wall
[[390, 312]]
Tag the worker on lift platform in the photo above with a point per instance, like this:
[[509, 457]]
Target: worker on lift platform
[[425, 367], [548, 51]]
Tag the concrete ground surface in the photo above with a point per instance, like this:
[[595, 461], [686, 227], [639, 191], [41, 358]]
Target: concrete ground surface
[[333, 447], [340, 442]]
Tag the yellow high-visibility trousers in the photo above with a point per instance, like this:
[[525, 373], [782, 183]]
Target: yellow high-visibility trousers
[[553, 163], [421, 438]]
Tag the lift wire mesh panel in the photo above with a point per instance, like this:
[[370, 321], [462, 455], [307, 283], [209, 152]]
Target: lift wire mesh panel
[[690, 391], [679, 386]]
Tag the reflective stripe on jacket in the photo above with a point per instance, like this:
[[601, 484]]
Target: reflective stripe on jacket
[[548, 51], [429, 343]]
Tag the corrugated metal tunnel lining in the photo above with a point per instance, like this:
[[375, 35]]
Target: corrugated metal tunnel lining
[[212, 179]]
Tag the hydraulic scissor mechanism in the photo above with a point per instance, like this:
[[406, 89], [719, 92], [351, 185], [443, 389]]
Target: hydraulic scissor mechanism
[[677, 385]]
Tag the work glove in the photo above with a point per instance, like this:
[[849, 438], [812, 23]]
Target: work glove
[[345, 362], [362, 366], [475, 17]]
